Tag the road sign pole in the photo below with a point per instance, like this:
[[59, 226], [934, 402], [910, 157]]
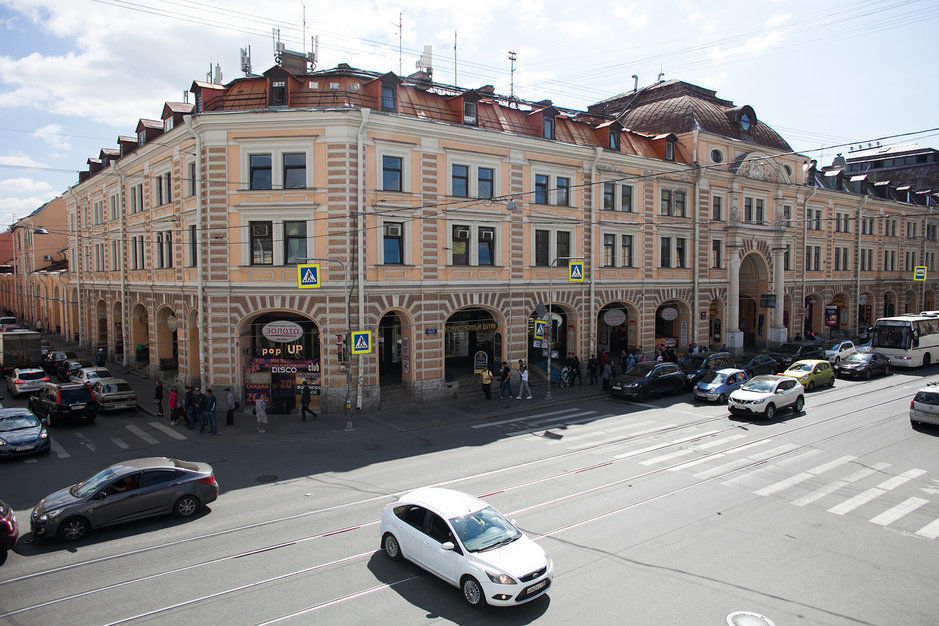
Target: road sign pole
[[550, 329]]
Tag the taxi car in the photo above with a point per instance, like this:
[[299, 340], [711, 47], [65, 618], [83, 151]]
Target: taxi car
[[716, 386], [812, 373]]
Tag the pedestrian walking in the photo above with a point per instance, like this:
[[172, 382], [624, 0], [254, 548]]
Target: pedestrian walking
[[158, 396], [486, 378], [523, 386], [505, 381], [593, 367], [306, 396], [209, 410], [100, 359], [607, 375], [575, 370], [198, 408], [173, 405], [260, 412], [230, 405], [187, 407], [630, 362]]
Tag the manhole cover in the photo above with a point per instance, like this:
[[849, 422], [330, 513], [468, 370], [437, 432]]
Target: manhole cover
[[267, 478], [748, 618]]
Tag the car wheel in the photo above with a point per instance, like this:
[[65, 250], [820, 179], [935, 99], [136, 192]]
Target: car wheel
[[770, 411], [73, 529], [867, 374], [811, 386], [389, 543], [473, 592], [800, 402], [187, 506], [926, 360], [643, 395], [722, 399], [831, 381], [3, 555]]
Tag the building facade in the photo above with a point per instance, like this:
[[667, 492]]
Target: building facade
[[443, 221]]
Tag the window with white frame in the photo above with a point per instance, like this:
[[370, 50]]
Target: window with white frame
[[787, 215], [471, 178], [295, 241], [136, 198], [115, 255], [890, 228], [260, 171], [551, 244], [393, 243], [813, 258], [787, 257], [472, 244], [841, 259], [553, 189], [470, 117], [273, 165], [115, 206], [665, 252], [673, 252], [717, 208], [158, 248], [618, 197], [930, 261], [98, 211], [261, 242], [164, 249], [716, 256], [393, 168], [753, 210], [99, 257], [609, 250], [191, 179], [911, 230], [890, 260], [193, 246], [627, 245], [136, 252], [672, 202], [910, 260]]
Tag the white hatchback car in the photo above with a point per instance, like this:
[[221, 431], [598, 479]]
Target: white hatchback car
[[765, 395], [840, 351], [467, 543], [88, 375], [26, 380]]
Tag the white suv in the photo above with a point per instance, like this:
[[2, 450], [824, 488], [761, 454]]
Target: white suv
[[765, 395], [840, 351], [924, 407]]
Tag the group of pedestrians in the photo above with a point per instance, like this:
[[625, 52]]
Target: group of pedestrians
[[196, 407], [505, 381]]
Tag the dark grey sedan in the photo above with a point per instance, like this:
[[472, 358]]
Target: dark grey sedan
[[124, 492], [21, 432]]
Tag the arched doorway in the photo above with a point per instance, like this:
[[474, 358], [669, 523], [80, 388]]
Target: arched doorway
[[672, 325], [814, 318], [617, 328], [837, 314], [101, 317], [140, 329], [890, 304], [467, 332], [558, 326], [167, 340], [755, 310], [749, 321], [716, 323], [865, 312], [394, 349], [282, 350]]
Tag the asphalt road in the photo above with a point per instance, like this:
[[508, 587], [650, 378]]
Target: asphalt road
[[666, 512]]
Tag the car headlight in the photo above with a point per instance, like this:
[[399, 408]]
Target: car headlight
[[501, 579], [2, 443], [631, 385], [43, 434], [48, 515]]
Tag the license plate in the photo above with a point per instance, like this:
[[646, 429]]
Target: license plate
[[23, 448], [617, 387], [538, 587], [80, 405]]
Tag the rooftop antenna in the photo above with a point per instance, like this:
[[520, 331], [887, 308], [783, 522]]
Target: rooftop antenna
[[661, 74], [208, 75], [278, 46], [303, 27], [246, 60], [424, 64], [313, 55], [186, 96], [400, 34], [512, 58], [218, 74], [636, 83], [454, 58]]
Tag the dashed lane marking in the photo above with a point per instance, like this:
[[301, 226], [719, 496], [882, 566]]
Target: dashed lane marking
[[119, 443], [59, 450]]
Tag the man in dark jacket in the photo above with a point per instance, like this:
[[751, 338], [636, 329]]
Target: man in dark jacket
[[198, 408], [187, 406], [593, 365], [306, 395]]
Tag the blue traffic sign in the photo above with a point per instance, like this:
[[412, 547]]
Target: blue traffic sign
[[308, 276], [919, 272], [361, 342], [541, 329], [575, 271]]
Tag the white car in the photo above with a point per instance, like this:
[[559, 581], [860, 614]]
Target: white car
[[924, 407], [467, 543], [765, 395], [113, 394], [25, 380], [89, 374], [840, 351]]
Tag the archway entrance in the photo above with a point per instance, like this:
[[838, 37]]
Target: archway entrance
[[282, 350], [617, 328], [141, 334], [814, 321], [910, 303], [101, 315], [672, 325], [756, 303], [842, 317], [394, 350], [749, 322], [167, 344], [56, 321], [467, 332]]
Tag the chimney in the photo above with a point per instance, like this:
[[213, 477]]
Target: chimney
[[635, 82]]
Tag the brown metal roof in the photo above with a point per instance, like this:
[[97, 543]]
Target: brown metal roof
[[183, 108], [150, 125]]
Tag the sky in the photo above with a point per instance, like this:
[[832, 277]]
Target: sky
[[75, 74]]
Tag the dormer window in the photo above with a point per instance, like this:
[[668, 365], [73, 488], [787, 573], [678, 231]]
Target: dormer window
[[141, 137], [470, 113], [669, 150], [613, 142], [744, 122], [547, 127], [388, 98], [278, 93], [199, 101], [167, 124]]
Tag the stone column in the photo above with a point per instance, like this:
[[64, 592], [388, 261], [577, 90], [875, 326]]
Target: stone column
[[777, 332], [733, 337]]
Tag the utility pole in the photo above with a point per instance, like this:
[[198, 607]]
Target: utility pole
[[512, 58]]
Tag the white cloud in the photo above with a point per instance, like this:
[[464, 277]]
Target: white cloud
[[634, 16], [52, 135], [20, 186], [778, 19], [752, 47], [19, 160]]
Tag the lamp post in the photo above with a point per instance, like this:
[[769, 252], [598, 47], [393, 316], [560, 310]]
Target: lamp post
[[550, 320], [348, 337], [36, 231]]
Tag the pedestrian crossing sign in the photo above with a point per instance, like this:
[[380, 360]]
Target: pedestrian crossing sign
[[541, 329], [361, 342], [919, 272], [575, 271], [308, 276]]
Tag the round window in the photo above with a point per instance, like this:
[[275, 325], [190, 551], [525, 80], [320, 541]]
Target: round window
[[788, 170], [717, 156]]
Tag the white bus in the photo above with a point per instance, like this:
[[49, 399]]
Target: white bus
[[909, 340]]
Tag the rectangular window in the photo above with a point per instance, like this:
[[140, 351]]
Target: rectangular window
[[387, 98], [260, 171], [191, 180], [818, 258], [294, 170], [716, 253], [262, 243], [716, 208], [541, 189], [627, 251], [278, 93], [485, 177], [140, 255], [391, 173], [665, 252], [748, 209], [294, 242], [547, 127], [542, 248], [114, 207], [669, 150], [486, 246], [759, 215], [609, 197], [787, 215], [459, 180], [666, 202], [393, 244], [563, 244], [787, 257], [193, 246], [460, 245], [159, 250], [609, 250], [133, 199], [168, 247], [99, 212], [680, 203], [469, 112], [115, 255], [563, 191], [626, 199], [680, 252], [168, 192], [844, 259]]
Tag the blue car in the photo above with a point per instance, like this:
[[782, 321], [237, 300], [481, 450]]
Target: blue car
[[716, 386]]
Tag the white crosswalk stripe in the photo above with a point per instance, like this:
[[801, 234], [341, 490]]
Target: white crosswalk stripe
[[119, 443], [673, 455], [875, 492], [59, 450], [717, 455], [930, 531], [169, 431], [803, 476], [835, 485], [140, 433], [620, 435], [546, 424], [584, 432], [738, 463], [524, 419], [893, 514]]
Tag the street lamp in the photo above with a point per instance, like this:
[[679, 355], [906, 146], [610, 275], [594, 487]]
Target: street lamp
[[550, 319], [36, 231], [348, 338]]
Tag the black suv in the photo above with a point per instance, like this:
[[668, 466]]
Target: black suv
[[56, 403], [792, 351], [757, 365], [646, 379], [694, 366], [67, 368]]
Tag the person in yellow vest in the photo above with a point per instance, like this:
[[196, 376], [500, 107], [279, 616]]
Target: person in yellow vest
[[486, 377]]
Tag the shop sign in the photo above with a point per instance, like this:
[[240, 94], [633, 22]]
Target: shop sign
[[480, 361], [831, 315], [839, 301], [430, 331], [282, 331], [614, 317], [668, 314], [456, 328], [171, 324], [863, 299]]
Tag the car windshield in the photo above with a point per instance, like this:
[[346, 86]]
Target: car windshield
[[18, 422], [643, 369], [760, 385], [92, 485], [890, 336], [484, 530], [789, 348], [98, 374], [713, 377], [800, 367], [860, 357]]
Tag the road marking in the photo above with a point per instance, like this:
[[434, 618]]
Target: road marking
[[717, 442], [545, 426], [119, 443], [140, 433], [717, 455], [590, 434], [522, 419], [875, 492], [835, 485], [618, 436], [667, 457], [59, 450], [802, 477], [29, 460], [736, 463], [930, 531], [166, 429], [891, 515], [85, 441]]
